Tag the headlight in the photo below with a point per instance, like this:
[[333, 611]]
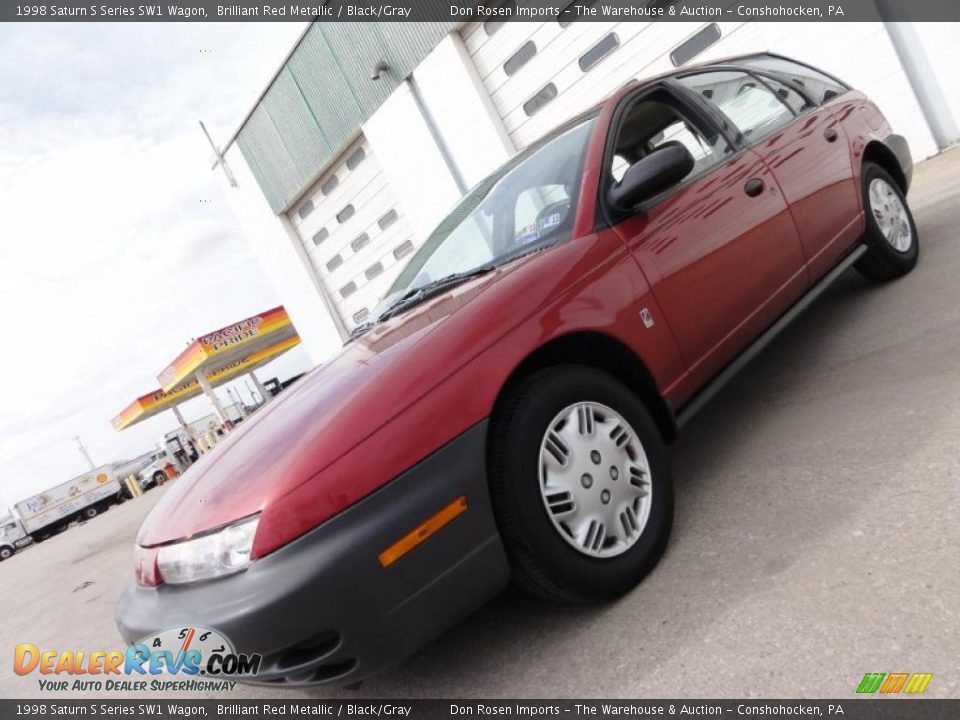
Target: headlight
[[220, 553]]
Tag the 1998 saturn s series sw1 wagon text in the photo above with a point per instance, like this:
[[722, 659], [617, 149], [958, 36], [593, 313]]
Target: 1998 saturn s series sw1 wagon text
[[505, 415]]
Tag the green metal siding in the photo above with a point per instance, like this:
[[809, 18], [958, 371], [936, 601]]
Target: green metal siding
[[322, 95]]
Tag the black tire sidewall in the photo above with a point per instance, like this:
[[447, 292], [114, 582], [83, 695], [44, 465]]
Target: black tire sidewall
[[898, 262], [531, 533], [6, 553]]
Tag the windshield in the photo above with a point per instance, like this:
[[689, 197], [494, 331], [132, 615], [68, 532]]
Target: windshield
[[529, 202]]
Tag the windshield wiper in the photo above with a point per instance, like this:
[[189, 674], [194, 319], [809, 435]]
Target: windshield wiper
[[416, 295], [362, 329]]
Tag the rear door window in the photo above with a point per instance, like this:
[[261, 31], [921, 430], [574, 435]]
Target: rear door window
[[794, 100], [753, 108]]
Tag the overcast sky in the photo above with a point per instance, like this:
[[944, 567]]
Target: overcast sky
[[116, 245]]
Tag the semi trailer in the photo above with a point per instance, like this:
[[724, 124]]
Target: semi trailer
[[82, 498]]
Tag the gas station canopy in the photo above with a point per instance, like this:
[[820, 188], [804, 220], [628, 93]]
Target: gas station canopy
[[213, 360], [157, 401], [228, 345]]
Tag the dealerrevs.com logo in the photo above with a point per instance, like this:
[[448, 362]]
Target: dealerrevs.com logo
[[187, 658]]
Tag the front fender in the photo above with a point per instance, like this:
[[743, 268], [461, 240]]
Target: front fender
[[897, 144]]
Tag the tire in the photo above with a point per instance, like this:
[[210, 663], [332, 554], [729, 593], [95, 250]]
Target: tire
[[89, 513], [549, 557], [886, 259], [6, 552], [159, 478]]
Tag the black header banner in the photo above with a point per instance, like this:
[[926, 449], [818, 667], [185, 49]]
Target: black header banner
[[856, 709], [698, 11]]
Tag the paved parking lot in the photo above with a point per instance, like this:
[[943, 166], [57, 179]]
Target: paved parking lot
[[817, 534]]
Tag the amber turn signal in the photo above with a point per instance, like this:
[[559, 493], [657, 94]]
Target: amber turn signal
[[420, 533]]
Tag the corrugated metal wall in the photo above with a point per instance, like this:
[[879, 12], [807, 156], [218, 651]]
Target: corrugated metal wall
[[323, 94]]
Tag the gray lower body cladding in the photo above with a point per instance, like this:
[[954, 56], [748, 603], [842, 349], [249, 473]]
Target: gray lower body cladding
[[322, 609], [897, 144]]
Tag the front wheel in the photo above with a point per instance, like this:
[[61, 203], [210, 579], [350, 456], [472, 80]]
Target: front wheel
[[891, 234], [6, 552], [580, 485]]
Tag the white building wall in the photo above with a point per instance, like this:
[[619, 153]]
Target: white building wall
[[280, 253], [940, 42], [462, 111], [411, 161]]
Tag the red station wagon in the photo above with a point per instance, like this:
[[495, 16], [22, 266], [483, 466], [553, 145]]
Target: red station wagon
[[507, 412]]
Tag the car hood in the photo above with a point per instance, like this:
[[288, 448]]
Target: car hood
[[314, 422]]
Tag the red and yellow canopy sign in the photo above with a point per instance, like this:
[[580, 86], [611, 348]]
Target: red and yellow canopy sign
[[159, 400], [223, 347]]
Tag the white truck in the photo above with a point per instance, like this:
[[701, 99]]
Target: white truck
[[154, 473], [82, 498], [12, 536]]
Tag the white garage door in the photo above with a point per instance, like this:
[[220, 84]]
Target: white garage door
[[540, 74], [354, 233]]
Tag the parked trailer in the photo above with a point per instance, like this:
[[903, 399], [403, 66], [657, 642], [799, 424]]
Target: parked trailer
[[82, 498]]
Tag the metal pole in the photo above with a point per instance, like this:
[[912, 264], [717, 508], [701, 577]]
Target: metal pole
[[221, 161], [211, 395], [186, 428], [83, 451], [264, 393], [916, 66], [437, 138], [237, 402], [253, 395]]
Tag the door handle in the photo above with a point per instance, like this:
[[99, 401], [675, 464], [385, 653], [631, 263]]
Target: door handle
[[753, 187], [830, 134]]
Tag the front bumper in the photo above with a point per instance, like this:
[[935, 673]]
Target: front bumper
[[322, 609]]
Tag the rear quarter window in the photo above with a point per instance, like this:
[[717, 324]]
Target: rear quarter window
[[820, 87]]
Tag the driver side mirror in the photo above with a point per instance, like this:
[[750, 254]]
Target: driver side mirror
[[650, 176]]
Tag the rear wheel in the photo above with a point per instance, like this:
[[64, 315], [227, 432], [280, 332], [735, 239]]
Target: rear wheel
[[159, 478], [580, 485], [891, 234], [89, 513]]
